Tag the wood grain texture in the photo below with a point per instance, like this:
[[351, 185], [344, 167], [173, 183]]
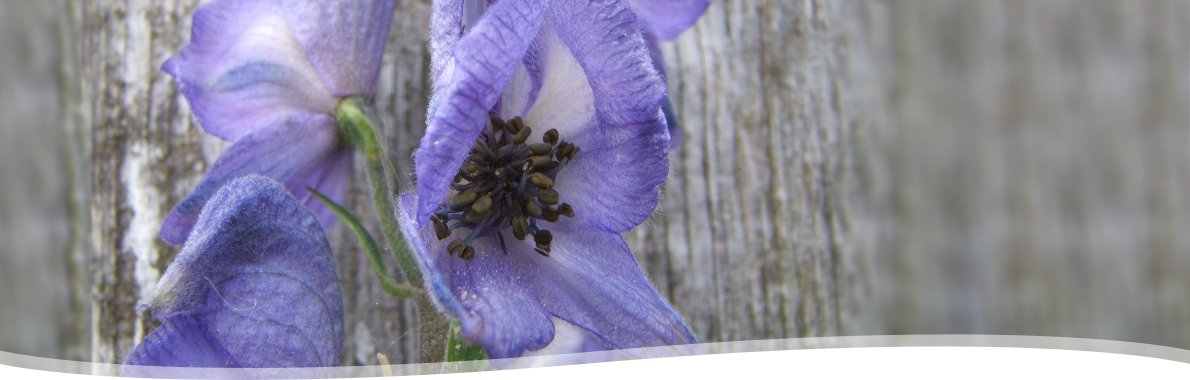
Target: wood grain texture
[[749, 242], [42, 203], [1030, 174], [846, 167]]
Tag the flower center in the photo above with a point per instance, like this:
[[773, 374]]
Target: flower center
[[506, 182]]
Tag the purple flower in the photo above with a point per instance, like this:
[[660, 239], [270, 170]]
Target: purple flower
[[254, 287], [266, 75], [665, 19], [546, 141]]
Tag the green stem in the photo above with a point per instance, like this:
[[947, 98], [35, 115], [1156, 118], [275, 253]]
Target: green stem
[[358, 123], [458, 350], [369, 246]]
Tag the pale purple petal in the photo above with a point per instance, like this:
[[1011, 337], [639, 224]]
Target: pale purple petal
[[558, 94], [243, 67], [254, 286], [483, 61], [331, 177], [283, 149], [671, 118], [668, 18], [343, 39], [613, 183], [480, 293], [446, 27], [506, 299]]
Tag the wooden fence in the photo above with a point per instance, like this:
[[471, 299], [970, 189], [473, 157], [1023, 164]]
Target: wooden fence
[[846, 167]]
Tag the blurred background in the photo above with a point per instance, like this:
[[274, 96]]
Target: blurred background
[[845, 168]]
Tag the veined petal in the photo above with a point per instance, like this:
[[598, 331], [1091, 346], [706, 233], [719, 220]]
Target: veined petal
[[613, 183], [483, 293], [344, 40], [671, 118], [244, 66], [483, 61], [329, 176], [254, 286], [592, 280], [668, 18], [506, 297], [446, 27], [283, 149]]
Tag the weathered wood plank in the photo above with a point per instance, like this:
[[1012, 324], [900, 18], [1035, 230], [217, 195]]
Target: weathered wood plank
[[748, 241], [847, 167], [1030, 174]]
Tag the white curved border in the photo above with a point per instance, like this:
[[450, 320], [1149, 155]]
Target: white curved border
[[804, 354]]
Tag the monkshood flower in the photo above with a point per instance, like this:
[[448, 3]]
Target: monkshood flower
[[267, 75], [253, 287], [545, 142]]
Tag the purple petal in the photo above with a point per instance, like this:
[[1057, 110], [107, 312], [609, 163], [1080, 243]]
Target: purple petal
[[668, 18], [330, 177], [254, 286], [446, 27], [556, 88], [483, 62], [343, 39], [243, 66], [613, 183], [285, 149], [201, 349], [671, 118], [506, 299]]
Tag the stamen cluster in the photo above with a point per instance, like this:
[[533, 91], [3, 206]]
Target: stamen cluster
[[506, 182]]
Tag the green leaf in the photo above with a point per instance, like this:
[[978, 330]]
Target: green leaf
[[369, 246]]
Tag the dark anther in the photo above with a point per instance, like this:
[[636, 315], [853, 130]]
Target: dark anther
[[473, 217], [440, 228], [540, 149], [549, 213], [567, 211], [497, 124], [542, 162], [540, 180], [483, 204], [543, 240], [455, 247], [520, 227], [548, 197], [506, 183], [462, 200], [520, 136], [532, 209]]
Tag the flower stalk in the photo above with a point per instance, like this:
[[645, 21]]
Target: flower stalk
[[357, 122]]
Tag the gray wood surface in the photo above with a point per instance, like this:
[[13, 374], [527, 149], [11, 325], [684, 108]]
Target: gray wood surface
[[847, 167], [1030, 172]]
